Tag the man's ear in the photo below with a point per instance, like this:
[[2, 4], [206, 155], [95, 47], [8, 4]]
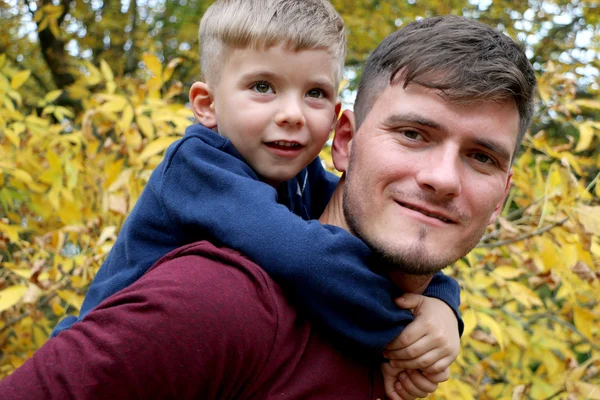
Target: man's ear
[[203, 104], [344, 132], [499, 205]]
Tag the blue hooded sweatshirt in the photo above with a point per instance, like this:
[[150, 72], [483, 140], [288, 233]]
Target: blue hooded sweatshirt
[[204, 190]]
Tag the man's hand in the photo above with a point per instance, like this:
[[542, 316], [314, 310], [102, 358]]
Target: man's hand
[[410, 384], [431, 342]]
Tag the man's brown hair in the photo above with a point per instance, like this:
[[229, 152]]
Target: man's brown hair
[[464, 60]]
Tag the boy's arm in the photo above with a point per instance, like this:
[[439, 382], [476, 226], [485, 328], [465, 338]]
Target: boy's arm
[[324, 267], [207, 187]]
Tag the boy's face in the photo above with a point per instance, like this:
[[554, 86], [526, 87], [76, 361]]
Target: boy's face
[[277, 107]]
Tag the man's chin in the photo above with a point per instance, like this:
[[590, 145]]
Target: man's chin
[[414, 259]]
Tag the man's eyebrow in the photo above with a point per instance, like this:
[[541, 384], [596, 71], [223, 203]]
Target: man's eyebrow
[[414, 118], [492, 145], [495, 147]]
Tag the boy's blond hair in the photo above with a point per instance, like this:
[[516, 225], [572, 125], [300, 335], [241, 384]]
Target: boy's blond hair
[[260, 24]]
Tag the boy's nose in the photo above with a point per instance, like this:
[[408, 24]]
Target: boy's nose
[[290, 113]]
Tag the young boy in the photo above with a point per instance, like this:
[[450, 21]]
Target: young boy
[[271, 70]]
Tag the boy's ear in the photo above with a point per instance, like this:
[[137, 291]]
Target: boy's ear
[[342, 141], [203, 104]]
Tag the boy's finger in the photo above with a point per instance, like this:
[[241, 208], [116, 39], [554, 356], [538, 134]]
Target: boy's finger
[[422, 362], [409, 301], [438, 366], [411, 334], [416, 349], [404, 395], [410, 385], [389, 378], [438, 377], [421, 382]]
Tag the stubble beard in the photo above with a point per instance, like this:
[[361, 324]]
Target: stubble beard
[[413, 258]]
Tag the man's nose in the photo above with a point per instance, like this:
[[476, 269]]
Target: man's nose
[[441, 174], [290, 112]]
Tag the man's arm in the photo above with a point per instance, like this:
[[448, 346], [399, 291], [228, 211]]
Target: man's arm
[[190, 328]]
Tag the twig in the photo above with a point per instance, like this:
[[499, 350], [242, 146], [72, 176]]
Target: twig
[[523, 237], [27, 313]]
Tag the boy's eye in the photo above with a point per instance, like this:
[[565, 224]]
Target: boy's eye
[[316, 93], [262, 87]]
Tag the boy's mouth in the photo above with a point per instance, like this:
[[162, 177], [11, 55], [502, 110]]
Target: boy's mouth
[[283, 144]]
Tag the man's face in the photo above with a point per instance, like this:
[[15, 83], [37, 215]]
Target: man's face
[[426, 176], [277, 107]]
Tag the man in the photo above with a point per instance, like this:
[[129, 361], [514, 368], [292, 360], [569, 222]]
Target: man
[[442, 107]]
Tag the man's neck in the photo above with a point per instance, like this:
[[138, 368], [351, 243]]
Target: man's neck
[[334, 215], [334, 211]]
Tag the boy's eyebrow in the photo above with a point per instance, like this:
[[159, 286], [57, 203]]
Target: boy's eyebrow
[[270, 76], [323, 83]]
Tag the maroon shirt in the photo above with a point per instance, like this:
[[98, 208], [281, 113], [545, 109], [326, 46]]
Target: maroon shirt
[[203, 323]]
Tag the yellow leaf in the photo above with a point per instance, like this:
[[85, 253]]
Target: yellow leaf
[[518, 336], [484, 320], [11, 231], [588, 103], [170, 68], [19, 79], [584, 320], [11, 295], [117, 204], [145, 125], [157, 146], [106, 71], [507, 272], [589, 217], [108, 233], [470, 321], [115, 105], [126, 118], [52, 95], [523, 294], [70, 297], [21, 175], [584, 390], [39, 336], [54, 28], [152, 64], [53, 160], [586, 134]]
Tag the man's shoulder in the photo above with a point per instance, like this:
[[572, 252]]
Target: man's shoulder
[[203, 269]]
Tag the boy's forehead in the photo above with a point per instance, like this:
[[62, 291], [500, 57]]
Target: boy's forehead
[[282, 50]]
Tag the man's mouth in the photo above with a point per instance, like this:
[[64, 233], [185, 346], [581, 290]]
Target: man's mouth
[[427, 213]]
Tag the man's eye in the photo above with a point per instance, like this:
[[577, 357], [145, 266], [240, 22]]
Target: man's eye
[[316, 93], [483, 158], [413, 135], [262, 87]]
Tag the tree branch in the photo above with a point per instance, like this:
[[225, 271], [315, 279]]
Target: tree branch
[[523, 237]]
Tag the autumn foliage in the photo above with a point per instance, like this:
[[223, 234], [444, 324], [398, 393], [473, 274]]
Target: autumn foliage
[[72, 171]]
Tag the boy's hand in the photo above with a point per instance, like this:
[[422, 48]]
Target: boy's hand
[[431, 342], [410, 384]]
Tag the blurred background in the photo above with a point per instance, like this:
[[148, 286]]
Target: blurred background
[[92, 92]]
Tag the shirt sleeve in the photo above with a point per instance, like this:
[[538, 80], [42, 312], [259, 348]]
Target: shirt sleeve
[[324, 268], [188, 330]]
